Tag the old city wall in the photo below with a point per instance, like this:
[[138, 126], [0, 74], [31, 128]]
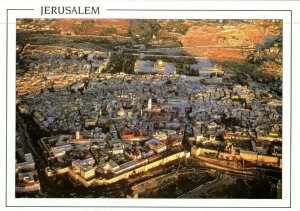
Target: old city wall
[[259, 158], [142, 168], [225, 156], [80, 178], [268, 159], [202, 151], [253, 157]]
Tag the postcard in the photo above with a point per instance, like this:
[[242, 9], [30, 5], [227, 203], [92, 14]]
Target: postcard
[[150, 104]]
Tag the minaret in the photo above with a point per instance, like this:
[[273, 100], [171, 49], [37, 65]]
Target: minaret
[[77, 135], [149, 104]]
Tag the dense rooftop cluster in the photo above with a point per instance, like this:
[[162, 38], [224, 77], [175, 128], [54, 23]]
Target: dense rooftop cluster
[[112, 115]]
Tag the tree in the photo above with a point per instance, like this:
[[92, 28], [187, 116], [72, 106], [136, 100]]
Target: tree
[[68, 52], [142, 31], [109, 31]]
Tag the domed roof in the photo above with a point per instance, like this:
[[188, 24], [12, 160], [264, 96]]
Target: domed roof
[[121, 112]]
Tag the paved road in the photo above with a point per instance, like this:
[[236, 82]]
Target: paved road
[[206, 188], [40, 164]]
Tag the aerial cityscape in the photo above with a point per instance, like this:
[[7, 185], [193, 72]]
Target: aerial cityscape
[[161, 108]]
